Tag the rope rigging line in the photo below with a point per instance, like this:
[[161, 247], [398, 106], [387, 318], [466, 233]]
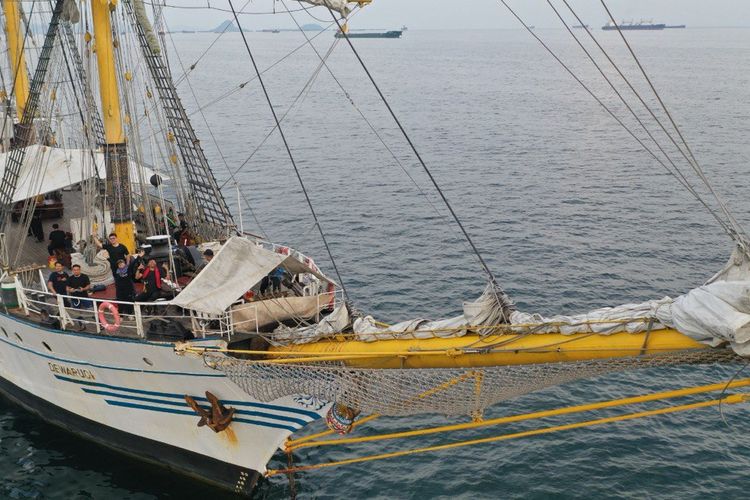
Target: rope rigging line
[[306, 442], [380, 138], [498, 291], [614, 88], [741, 235], [731, 399], [677, 172], [288, 149], [206, 51], [687, 186]]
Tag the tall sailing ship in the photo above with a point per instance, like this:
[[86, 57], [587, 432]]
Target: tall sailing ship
[[216, 375]]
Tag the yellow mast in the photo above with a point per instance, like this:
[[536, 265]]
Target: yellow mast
[[115, 150], [14, 33]]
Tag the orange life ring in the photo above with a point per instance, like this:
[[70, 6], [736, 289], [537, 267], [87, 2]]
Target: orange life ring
[[110, 327]]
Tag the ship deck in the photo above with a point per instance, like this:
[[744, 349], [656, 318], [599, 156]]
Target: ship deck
[[34, 253]]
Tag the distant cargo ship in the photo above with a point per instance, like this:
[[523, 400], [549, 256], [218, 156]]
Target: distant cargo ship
[[676, 26], [610, 26], [372, 34]]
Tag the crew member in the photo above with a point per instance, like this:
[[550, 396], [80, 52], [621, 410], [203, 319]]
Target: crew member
[[150, 275], [57, 240], [182, 226], [277, 275], [208, 255], [78, 286], [116, 251], [57, 283]]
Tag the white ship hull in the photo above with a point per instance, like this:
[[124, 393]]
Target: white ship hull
[[129, 395]]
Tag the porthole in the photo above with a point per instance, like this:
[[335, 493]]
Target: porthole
[[18, 337], [148, 362], [46, 346]]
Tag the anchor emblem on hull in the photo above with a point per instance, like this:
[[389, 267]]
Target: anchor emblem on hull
[[217, 418]]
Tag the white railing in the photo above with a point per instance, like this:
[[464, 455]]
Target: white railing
[[136, 319]]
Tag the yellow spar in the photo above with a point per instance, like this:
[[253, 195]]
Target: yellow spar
[[491, 350], [15, 41], [116, 158]]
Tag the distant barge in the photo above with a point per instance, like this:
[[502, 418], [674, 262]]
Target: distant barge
[[372, 34], [610, 26]]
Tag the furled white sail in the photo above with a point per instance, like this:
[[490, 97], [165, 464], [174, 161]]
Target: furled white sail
[[46, 169], [339, 6]]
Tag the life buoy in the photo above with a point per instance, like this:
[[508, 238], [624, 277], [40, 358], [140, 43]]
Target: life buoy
[[110, 327]]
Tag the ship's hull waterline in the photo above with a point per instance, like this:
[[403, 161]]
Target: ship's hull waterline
[[495, 350], [128, 395]]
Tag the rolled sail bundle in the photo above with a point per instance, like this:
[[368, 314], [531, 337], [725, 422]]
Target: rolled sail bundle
[[340, 6]]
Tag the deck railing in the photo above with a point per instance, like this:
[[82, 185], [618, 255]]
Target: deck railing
[[137, 319]]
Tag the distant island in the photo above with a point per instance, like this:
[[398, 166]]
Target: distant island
[[312, 27], [227, 26]]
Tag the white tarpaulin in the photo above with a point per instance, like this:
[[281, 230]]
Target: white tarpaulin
[[239, 265], [339, 6], [46, 169]]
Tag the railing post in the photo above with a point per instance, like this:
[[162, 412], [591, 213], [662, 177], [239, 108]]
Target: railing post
[[21, 295], [96, 317], [62, 312], [138, 319]]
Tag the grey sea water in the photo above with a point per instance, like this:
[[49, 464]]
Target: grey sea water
[[568, 211]]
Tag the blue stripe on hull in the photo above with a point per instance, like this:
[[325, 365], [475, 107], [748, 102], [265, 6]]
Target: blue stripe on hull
[[264, 406], [299, 422], [185, 412]]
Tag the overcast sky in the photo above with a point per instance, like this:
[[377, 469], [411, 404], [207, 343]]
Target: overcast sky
[[472, 14]]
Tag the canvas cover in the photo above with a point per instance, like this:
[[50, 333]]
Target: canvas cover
[[46, 169], [239, 265]]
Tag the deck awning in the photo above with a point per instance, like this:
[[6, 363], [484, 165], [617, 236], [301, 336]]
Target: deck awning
[[46, 169], [237, 267]]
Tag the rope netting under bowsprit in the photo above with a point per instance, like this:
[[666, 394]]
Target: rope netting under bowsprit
[[448, 391]]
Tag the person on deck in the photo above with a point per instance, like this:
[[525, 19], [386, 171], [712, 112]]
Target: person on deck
[[57, 240], [182, 226], [208, 255], [116, 251], [124, 287], [138, 260], [151, 277], [57, 283], [78, 287], [277, 275], [35, 228]]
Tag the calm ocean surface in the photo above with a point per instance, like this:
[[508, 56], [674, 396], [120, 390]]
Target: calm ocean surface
[[568, 211]]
